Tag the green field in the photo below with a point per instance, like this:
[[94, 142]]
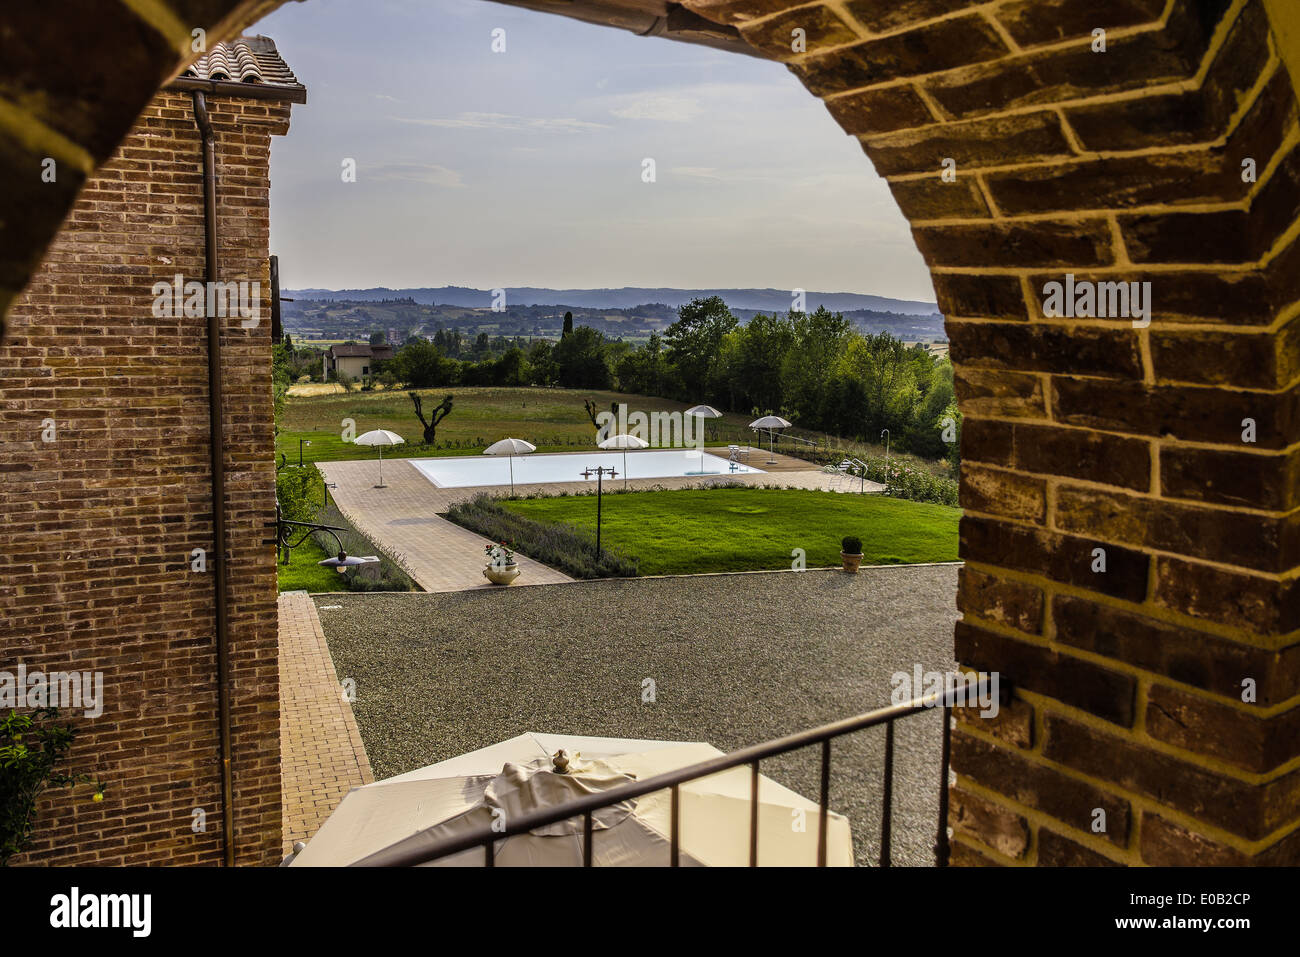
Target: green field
[[302, 572], [747, 529], [552, 419]]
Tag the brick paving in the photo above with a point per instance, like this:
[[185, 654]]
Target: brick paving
[[321, 754], [403, 518]]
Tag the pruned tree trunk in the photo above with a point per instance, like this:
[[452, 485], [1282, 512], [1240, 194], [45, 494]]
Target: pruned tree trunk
[[440, 412]]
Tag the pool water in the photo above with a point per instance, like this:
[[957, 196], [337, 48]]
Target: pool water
[[568, 467]]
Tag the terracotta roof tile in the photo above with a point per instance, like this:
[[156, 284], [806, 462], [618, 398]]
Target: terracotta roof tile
[[243, 60], [362, 349]]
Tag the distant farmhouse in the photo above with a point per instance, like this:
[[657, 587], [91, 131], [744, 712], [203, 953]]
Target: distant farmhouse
[[354, 360]]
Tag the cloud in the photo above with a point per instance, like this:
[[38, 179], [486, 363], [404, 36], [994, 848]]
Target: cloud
[[699, 172], [428, 173], [505, 121], [662, 107]]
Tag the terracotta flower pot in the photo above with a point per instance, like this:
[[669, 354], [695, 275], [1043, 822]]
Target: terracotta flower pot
[[851, 562], [501, 574]]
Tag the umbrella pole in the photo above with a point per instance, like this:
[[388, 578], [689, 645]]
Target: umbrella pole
[[381, 467], [512, 476]]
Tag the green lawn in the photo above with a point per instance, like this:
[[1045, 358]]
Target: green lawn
[[302, 572], [747, 529]]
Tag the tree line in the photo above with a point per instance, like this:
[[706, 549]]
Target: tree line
[[814, 369]]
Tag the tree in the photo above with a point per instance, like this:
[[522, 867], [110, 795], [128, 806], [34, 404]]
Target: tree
[[281, 375], [378, 339], [568, 325], [593, 411], [580, 360], [421, 365], [440, 412], [541, 362], [695, 339]]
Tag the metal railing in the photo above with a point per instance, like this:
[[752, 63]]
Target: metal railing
[[486, 837]]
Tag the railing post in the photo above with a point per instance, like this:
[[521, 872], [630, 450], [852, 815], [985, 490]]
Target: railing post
[[887, 800], [942, 849], [753, 814], [676, 828], [586, 839], [825, 803]]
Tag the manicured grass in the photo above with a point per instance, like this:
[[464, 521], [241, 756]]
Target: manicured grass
[[302, 572], [746, 529]]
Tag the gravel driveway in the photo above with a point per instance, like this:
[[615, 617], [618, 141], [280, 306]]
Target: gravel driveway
[[736, 660]]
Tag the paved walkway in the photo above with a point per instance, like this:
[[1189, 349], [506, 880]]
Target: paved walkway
[[403, 518], [321, 754]]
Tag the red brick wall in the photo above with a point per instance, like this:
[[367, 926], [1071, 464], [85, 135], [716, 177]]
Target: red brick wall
[[1079, 433], [95, 572], [1090, 433]]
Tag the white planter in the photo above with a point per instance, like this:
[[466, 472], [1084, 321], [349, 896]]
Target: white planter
[[501, 574]]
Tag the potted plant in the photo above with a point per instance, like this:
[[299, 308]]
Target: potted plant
[[501, 568], [851, 553]]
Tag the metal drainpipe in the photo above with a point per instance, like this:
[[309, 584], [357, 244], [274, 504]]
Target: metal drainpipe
[[217, 444]]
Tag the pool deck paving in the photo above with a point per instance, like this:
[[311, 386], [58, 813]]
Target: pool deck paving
[[403, 518]]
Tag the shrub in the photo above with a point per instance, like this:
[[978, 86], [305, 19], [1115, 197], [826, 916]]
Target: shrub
[[31, 747], [570, 549], [296, 491], [851, 545], [902, 479], [392, 577]]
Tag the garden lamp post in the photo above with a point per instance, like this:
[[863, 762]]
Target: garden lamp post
[[286, 529], [301, 443], [884, 434], [599, 471]]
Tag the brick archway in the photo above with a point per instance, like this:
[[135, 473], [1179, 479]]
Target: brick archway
[[1172, 447]]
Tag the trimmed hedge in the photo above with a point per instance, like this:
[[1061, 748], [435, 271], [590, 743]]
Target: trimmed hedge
[[562, 546]]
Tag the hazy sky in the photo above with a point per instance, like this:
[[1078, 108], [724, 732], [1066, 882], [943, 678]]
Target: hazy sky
[[520, 168]]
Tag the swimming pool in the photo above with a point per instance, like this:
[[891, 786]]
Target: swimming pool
[[568, 467]]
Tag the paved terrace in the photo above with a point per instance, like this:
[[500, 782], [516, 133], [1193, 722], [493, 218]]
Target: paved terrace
[[403, 518], [321, 754], [737, 659]]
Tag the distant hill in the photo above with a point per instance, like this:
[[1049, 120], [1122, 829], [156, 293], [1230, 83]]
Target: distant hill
[[765, 300]]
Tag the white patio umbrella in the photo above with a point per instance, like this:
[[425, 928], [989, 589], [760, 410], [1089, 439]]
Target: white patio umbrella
[[380, 438], [771, 423], [510, 447], [513, 777], [623, 441], [703, 412]]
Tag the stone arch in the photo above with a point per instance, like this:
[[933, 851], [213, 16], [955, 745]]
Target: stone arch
[[1167, 450]]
